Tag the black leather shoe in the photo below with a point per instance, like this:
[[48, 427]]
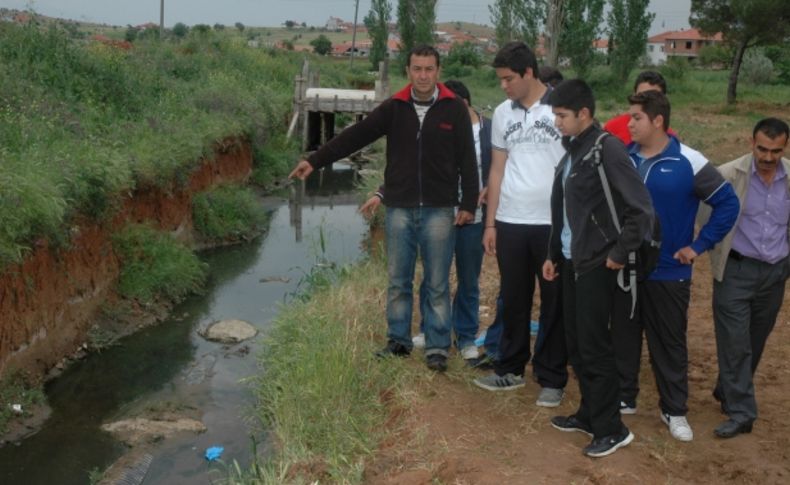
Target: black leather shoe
[[731, 428], [436, 362], [393, 349]]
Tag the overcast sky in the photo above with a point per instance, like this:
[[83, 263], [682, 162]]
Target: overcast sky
[[670, 14]]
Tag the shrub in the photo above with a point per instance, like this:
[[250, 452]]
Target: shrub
[[155, 266], [756, 67], [675, 68], [228, 213]]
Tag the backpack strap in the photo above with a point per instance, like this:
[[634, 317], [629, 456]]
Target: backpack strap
[[630, 286]]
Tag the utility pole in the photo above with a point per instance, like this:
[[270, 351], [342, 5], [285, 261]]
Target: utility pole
[[161, 19], [353, 36]]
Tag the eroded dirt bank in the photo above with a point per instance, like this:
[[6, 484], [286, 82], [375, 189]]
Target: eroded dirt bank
[[48, 301]]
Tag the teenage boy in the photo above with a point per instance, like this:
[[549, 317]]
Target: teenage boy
[[645, 81], [678, 178], [750, 269], [588, 251], [526, 149], [627, 327], [429, 143], [468, 244]]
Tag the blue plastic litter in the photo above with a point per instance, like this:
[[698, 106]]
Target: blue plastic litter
[[214, 453], [481, 339]]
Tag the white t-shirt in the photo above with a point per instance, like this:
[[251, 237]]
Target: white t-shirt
[[476, 132], [534, 148]]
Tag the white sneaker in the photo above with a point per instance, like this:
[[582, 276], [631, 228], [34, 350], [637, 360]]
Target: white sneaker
[[418, 341], [470, 352], [678, 427]]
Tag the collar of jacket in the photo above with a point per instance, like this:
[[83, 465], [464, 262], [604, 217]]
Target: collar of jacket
[[572, 144], [405, 93], [671, 150]]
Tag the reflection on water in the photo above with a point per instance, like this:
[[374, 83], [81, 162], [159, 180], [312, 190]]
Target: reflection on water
[[168, 366]]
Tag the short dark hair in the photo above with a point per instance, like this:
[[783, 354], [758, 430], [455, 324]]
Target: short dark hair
[[653, 103], [459, 89], [423, 50], [772, 128], [651, 77], [517, 57], [550, 75], [573, 94]]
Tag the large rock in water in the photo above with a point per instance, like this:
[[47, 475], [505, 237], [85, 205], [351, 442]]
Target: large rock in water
[[229, 331], [139, 430]]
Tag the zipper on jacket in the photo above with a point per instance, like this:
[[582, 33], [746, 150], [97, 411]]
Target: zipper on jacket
[[595, 221], [419, 162]]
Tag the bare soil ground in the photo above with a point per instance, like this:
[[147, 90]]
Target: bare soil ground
[[446, 430]]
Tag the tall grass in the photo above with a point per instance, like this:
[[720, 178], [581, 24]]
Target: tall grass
[[82, 123], [319, 387], [154, 265], [228, 213]]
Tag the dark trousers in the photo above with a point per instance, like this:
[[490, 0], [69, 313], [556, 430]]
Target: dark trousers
[[587, 307], [745, 306], [521, 251], [627, 339], [664, 312]]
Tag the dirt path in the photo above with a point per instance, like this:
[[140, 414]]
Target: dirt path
[[449, 431]]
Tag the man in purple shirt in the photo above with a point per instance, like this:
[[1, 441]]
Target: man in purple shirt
[[750, 267]]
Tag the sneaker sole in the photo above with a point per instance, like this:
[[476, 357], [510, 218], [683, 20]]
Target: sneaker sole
[[628, 411], [571, 430], [548, 404], [497, 389], [628, 439]]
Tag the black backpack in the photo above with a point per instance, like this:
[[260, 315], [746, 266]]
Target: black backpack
[[644, 260]]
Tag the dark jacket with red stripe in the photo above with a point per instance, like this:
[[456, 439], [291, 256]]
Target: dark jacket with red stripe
[[423, 163]]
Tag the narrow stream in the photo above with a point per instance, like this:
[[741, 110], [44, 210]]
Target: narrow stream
[[170, 367]]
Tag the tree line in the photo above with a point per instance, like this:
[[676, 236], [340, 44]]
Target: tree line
[[570, 27]]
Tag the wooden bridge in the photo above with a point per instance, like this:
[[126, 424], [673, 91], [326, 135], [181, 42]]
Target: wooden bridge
[[315, 108]]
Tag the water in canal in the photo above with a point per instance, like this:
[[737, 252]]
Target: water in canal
[[170, 367]]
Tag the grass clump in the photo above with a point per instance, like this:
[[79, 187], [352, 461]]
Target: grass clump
[[320, 389], [154, 265], [15, 389], [228, 214]]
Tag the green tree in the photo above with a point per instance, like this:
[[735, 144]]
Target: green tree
[[321, 45], [517, 20], [416, 22], [464, 54], [219, 26], [377, 21], [180, 30], [289, 24], [424, 21], [629, 22], [239, 26], [131, 33], [582, 26], [743, 24]]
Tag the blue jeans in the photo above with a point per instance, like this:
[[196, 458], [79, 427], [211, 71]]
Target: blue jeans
[[431, 230], [466, 304]]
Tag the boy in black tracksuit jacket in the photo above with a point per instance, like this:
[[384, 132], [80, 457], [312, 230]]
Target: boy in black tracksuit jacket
[[586, 246]]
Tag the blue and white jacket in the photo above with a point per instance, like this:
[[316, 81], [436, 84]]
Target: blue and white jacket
[[678, 179]]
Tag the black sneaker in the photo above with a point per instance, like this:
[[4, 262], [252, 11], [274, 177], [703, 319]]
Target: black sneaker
[[393, 349], [607, 445], [570, 423], [436, 362]]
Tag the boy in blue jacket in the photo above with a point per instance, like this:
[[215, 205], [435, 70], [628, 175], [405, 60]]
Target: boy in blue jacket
[[678, 178]]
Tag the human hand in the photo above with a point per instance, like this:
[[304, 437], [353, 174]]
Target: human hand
[[302, 170], [369, 207], [550, 271], [613, 265], [685, 255], [489, 240], [464, 217], [481, 199]]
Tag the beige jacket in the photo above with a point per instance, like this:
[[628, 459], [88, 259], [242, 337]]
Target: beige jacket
[[737, 172]]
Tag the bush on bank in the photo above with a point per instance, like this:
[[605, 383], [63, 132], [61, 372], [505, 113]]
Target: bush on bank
[[83, 123], [227, 214]]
